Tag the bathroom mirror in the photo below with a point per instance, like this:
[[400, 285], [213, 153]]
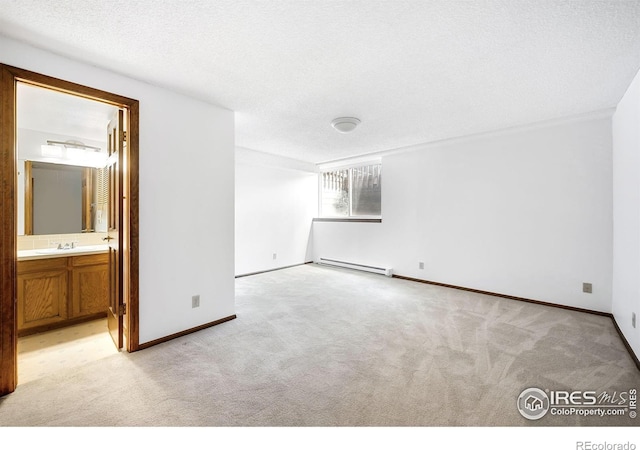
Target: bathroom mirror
[[62, 144], [62, 199]]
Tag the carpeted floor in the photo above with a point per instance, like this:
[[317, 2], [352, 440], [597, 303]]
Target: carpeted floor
[[317, 346]]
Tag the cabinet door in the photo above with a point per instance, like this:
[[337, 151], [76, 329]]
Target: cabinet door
[[42, 298], [90, 290]]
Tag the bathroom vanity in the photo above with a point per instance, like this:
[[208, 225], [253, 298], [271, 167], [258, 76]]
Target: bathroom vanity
[[57, 288]]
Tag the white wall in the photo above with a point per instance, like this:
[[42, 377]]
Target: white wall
[[626, 213], [522, 212], [276, 201], [186, 194]]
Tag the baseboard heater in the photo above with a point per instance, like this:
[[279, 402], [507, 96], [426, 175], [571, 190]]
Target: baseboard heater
[[349, 265]]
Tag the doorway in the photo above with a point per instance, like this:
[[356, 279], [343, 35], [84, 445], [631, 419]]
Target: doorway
[[120, 227]]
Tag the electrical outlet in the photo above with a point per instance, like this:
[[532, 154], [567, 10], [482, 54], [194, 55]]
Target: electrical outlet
[[633, 320], [587, 287], [420, 265], [275, 255], [195, 301]]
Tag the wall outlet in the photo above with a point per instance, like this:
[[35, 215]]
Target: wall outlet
[[275, 255], [587, 287], [195, 301], [420, 265], [633, 320]]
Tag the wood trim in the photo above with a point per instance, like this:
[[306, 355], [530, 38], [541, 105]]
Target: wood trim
[[510, 297], [633, 355], [8, 234], [133, 168], [28, 197], [9, 75], [68, 87], [329, 219], [185, 332], [272, 270]]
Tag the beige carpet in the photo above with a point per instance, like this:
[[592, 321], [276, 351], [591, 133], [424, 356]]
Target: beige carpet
[[316, 346]]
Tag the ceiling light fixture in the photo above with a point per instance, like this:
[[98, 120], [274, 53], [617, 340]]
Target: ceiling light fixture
[[345, 124]]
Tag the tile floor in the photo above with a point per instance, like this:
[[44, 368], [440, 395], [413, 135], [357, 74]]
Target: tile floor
[[44, 353]]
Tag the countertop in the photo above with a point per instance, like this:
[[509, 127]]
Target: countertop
[[45, 253]]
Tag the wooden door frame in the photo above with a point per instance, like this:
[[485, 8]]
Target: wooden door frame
[[9, 76]]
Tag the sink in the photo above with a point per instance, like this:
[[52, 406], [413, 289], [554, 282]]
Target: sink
[[80, 249], [50, 251]]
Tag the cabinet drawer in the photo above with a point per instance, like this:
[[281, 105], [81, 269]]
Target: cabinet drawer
[[89, 260], [41, 265]]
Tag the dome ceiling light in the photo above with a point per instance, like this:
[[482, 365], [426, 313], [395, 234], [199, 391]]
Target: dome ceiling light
[[345, 124]]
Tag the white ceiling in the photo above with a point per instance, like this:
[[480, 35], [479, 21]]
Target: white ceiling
[[57, 113], [412, 71]]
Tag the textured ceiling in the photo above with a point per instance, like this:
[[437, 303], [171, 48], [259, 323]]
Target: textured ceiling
[[412, 71]]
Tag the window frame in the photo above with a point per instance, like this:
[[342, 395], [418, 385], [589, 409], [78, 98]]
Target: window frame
[[350, 217]]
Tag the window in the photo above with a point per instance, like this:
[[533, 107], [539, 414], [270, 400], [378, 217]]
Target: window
[[352, 193]]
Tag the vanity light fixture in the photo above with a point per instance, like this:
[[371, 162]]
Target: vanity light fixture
[[345, 124], [74, 144], [52, 151], [73, 152]]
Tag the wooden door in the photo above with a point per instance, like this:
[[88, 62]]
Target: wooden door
[[115, 232]]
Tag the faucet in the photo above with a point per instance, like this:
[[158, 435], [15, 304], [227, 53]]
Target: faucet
[[66, 246]]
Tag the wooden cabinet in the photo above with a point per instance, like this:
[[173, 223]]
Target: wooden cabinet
[[89, 285], [42, 292], [61, 291]]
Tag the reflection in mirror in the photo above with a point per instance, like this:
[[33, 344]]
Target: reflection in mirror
[[69, 133], [62, 199]]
